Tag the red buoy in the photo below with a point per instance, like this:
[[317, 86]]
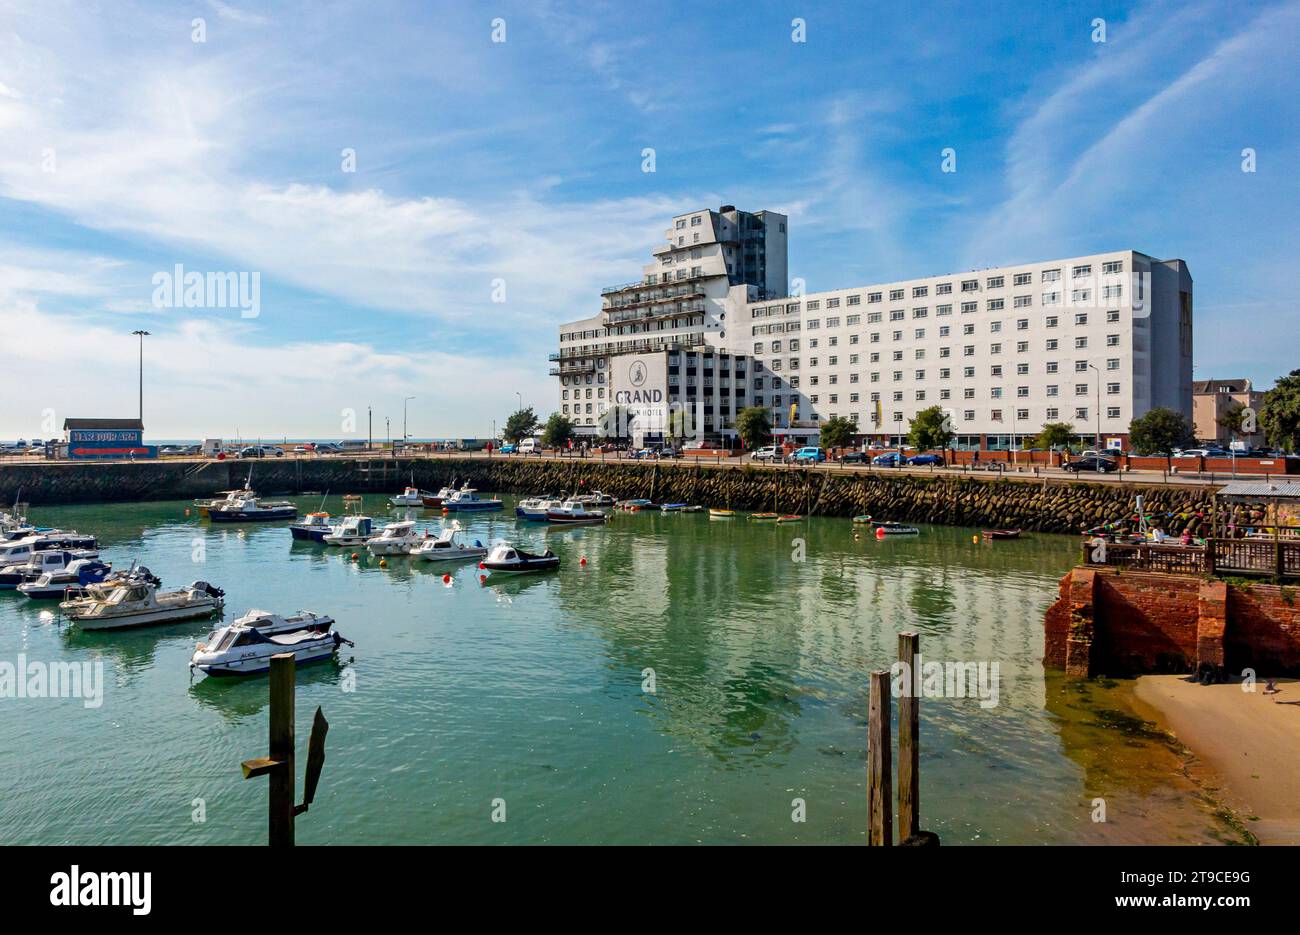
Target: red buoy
[[355, 556], [482, 579], [583, 560], [446, 579], [880, 533], [481, 565]]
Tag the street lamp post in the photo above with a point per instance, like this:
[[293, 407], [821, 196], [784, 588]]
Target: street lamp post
[[1097, 439], [521, 400], [142, 335], [404, 402], [1014, 446]]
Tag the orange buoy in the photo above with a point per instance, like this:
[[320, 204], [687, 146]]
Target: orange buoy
[[482, 579], [383, 563], [355, 556], [975, 538]]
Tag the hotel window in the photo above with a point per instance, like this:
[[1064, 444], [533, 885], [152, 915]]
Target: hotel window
[[996, 305], [920, 374], [875, 337], [681, 223], [1080, 366], [1051, 321], [968, 393], [895, 294], [968, 350], [695, 221], [968, 414], [945, 352], [1081, 389], [812, 324], [920, 291], [944, 373], [1112, 292], [1112, 266], [1052, 298], [852, 320], [853, 378], [1022, 413], [968, 307], [875, 357], [995, 370], [995, 348], [1022, 279], [995, 282], [794, 344], [873, 298], [1081, 296], [1022, 368], [1112, 340], [1052, 366], [1081, 318], [944, 331], [898, 375], [833, 322], [945, 394], [1053, 390], [898, 396], [968, 372], [1053, 413], [832, 380], [968, 329], [897, 315], [1022, 324], [995, 415], [1112, 412], [995, 327], [1022, 301], [918, 333], [832, 303], [855, 300], [1022, 392], [920, 396], [813, 304], [920, 312], [1112, 317], [1052, 344], [898, 355], [874, 318], [1112, 389], [1112, 363], [776, 347], [1081, 412], [940, 310], [832, 360], [875, 377], [1080, 342], [1078, 272], [853, 359], [919, 353], [970, 285], [944, 288], [898, 335], [1051, 275]]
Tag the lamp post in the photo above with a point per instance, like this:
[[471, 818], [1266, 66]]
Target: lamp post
[[521, 400], [142, 335], [1014, 446], [1097, 440], [404, 402], [899, 422]]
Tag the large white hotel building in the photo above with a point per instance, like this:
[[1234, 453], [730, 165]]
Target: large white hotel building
[[711, 327]]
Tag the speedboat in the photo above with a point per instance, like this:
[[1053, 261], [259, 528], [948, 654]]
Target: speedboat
[[354, 530], [136, 601], [249, 509], [596, 498], [410, 497], [77, 574], [246, 646], [38, 563], [573, 513], [639, 503], [46, 539], [447, 547], [435, 500], [313, 529], [890, 528], [534, 509], [672, 507], [765, 517], [467, 500], [205, 507], [507, 559], [395, 539]]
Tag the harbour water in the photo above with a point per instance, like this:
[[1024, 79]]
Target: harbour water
[[527, 699]]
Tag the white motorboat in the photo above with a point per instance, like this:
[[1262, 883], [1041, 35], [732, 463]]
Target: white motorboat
[[434, 500], [38, 563], [224, 497], [573, 513], [467, 500], [77, 574], [251, 509], [246, 646], [410, 497], [534, 509], [510, 560], [136, 601], [447, 547], [395, 539], [354, 530], [596, 498], [314, 527]]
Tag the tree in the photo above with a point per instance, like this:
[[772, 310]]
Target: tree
[[616, 423], [1279, 415], [558, 431], [679, 423], [753, 426], [837, 432], [520, 424], [929, 429], [1160, 431], [1055, 435]]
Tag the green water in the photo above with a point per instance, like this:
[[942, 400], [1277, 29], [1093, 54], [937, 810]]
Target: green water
[[531, 691]]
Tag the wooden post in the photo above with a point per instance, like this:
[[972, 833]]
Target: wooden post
[[280, 818], [880, 824], [909, 727]]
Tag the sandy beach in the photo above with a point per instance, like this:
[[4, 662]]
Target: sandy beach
[[1249, 739]]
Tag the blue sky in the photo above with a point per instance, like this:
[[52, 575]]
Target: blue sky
[[126, 148]]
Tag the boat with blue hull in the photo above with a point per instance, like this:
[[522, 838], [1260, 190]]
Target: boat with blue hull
[[467, 500], [314, 528]]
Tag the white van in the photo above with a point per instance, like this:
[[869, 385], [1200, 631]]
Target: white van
[[529, 446]]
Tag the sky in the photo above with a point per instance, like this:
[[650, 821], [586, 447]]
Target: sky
[[423, 206]]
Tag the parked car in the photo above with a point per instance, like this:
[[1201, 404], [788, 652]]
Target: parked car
[[888, 459], [809, 453], [261, 451], [328, 448], [855, 457], [1093, 453], [668, 451], [1091, 463], [926, 459], [1202, 453], [767, 453], [304, 449], [509, 448]]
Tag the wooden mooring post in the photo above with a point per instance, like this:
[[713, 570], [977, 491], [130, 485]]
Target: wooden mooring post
[[880, 819], [278, 764], [880, 825], [909, 726]]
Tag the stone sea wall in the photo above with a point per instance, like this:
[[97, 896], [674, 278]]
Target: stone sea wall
[[1046, 506]]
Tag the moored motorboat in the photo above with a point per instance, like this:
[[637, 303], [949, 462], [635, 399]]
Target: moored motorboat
[[572, 513], [890, 528], [1001, 534], [596, 498], [395, 539], [410, 497], [534, 509], [765, 517], [209, 504], [467, 500], [250, 509], [508, 559], [672, 507], [447, 547], [136, 601], [789, 518], [36, 564], [246, 646], [354, 530], [78, 574], [435, 500], [716, 513], [314, 528], [636, 504]]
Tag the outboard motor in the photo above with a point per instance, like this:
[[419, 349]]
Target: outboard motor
[[210, 589]]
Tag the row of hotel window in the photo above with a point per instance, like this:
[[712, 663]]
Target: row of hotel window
[[920, 396], [898, 314], [1051, 414], [919, 334], [1051, 366]]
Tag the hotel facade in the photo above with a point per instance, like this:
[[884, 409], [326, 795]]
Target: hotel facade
[[711, 328]]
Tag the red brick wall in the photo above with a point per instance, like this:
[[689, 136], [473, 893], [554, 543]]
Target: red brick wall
[[1145, 623], [1264, 629]]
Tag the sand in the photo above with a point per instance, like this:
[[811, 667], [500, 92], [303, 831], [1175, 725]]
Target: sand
[[1250, 740]]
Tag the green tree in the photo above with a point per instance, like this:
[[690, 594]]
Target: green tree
[[679, 423], [837, 432], [1160, 431], [930, 428], [1055, 435], [1279, 415], [753, 426], [520, 424], [616, 424], [558, 431]]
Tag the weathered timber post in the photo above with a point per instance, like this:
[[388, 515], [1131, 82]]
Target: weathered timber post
[[909, 727], [278, 764], [880, 824]]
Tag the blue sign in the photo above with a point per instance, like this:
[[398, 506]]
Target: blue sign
[[114, 451]]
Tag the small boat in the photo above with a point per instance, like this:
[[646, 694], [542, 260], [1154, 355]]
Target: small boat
[[789, 518], [721, 514], [693, 508], [637, 504], [45, 540], [1001, 534], [354, 530], [314, 529], [467, 500], [249, 509], [78, 574], [447, 547], [596, 498], [765, 517], [410, 497], [534, 509], [246, 646], [672, 507], [135, 601], [352, 498], [395, 539], [435, 500], [862, 520], [889, 528], [573, 513], [507, 559], [205, 507], [36, 564]]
